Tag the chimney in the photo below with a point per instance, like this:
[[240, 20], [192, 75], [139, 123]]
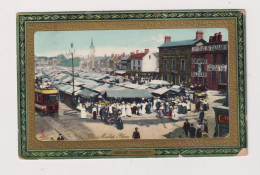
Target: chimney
[[146, 50], [132, 53], [167, 39], [137, 51], [210, 39], [199, 35], [219, 37]]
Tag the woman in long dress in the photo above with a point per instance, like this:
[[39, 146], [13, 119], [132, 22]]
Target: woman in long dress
[[133, 107], [128, 110], [170, 112], [143, 108], [123, 109], [154, 105], [138, 108], [94, 111], [110, 109], [160, 112], [175, 115]]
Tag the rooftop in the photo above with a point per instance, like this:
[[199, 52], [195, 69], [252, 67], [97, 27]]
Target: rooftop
[[181, 43]]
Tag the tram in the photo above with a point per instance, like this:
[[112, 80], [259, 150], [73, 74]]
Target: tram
[[47, 100]]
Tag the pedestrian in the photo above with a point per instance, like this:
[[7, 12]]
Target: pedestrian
[[133, 107], [184, 109], [138, 109], [100, 111], [51, 139], [197, 107], [136, 134], [158, 103], [143, 108], [167, 108], [154, 105], [192, 131], [199, 131], [110, 109], [123, 109], [119, 122], [188, 105], [175, 115], [160, 112], [60, 137], [148, 107], [128, 110], [94, 112], [170, 112], [201, 115], [205, 125], [186, 127]]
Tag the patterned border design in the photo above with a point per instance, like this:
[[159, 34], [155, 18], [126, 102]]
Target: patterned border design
[[22, 18]]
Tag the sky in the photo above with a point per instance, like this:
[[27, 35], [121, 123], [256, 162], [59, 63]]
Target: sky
[[106, 42]]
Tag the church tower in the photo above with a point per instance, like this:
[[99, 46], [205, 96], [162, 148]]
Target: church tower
[[92, 54]]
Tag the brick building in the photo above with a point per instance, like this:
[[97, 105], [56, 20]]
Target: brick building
[[209, 63], [175, 59]]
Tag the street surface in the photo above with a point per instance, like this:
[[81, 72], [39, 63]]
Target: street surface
[[72, 127]]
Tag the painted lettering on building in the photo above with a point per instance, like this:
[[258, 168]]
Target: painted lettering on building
[[198, 74], [210, 48], [198, 61], [218, 68]]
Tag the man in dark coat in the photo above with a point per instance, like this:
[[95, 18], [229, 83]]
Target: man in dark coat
[[192, 131], [186, 127], [136, 134]]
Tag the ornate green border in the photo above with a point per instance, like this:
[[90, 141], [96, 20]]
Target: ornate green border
[[23, 18]]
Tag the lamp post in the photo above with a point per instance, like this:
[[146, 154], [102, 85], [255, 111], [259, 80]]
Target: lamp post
[[72, 52]]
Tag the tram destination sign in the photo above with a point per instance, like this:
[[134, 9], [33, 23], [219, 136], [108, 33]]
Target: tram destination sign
[[221, 68]]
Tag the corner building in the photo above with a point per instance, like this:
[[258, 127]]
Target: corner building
[[175, 59], [209, 63]]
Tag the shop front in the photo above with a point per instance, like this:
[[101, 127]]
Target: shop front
[[222, 121]]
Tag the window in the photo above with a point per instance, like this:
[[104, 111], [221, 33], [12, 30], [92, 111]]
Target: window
[[165, 51], [149, 56], [205, 81], [173, 64], [182, 78], [139, 63], [182, 50], [223, 59], [196, 67], [165, 77], [202, 68], [134, 68], [196, 80], [165, 64], [182, 64], [213, 76], [200, 80], [134, 62], [222, 77], [173, 79], [173, 51], [214, 59], [139, 68]]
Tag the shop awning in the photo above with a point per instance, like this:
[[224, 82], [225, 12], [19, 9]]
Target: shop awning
[[128, 93], [87, 93]]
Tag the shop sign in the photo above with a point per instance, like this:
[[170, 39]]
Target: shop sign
[[223, 118], [218, 68]]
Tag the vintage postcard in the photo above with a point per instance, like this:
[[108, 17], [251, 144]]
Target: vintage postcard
[[131, 84]]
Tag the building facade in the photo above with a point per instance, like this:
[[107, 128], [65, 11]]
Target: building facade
[[209, 63], [143, 62], [175, 59]]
